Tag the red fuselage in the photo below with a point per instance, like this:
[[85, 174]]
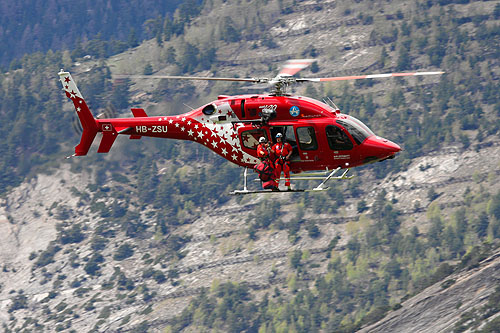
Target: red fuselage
[[321, 137]]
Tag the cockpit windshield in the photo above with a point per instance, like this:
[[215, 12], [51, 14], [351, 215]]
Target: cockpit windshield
[[359, 131]]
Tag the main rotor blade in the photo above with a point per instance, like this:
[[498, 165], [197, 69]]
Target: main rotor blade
[[371, 76], [293, 66], [206, 78]]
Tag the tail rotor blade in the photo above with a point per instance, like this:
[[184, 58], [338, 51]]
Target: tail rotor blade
[[77, 126], [109, 112]]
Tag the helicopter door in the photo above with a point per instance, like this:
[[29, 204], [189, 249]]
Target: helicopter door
[[288, 136], [337, 138], [308, 144], [342, 146]]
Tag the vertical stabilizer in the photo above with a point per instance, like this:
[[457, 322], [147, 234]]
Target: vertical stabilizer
[[87, 120]]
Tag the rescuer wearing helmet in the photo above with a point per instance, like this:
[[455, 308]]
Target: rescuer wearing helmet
[[265, 168], [283, 151], [263, 149]]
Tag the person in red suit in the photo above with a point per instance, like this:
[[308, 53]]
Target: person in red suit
[[283, 151], [263, 150]]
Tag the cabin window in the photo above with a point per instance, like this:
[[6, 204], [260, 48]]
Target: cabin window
[[250, 139], [307, 138], [337, 138], [209, 109]]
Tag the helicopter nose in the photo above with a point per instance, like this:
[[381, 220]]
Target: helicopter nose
[[389, 146], [383, 148]]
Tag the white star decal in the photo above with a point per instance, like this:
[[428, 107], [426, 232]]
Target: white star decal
[[182, 128], [78, 109], [189, 122], [196, 126], [176, 124], [224, 151], [183, 119], [170, 121], [200, 134], [234, 157], [213, 133], [214, 144], [190, 132]]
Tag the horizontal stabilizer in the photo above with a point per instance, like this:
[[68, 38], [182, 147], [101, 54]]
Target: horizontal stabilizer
[[139, 112]]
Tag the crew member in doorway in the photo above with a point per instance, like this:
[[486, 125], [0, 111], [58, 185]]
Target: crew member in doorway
[[265, 168], [263, 149], [283, 151]]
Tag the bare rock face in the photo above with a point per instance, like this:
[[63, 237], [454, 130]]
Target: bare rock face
[[438, 309], [27, 227]]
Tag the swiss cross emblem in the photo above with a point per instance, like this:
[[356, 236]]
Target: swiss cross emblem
[[107, 127]]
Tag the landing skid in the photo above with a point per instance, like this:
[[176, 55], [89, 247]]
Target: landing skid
[[240, 192], [310, 176]]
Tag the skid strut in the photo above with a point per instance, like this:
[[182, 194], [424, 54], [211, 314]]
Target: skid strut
[[320, 186], [343, 176], [245, 174]]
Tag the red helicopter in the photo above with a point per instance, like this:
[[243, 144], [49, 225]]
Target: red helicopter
[[322, 138]]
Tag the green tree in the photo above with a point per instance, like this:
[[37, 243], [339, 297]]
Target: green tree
[[92, 266], [120, 95], [404, 61], [295, 258], [132, 38], [188, 58], [228, 31], [148, 69], [481, 224], [124, 251]]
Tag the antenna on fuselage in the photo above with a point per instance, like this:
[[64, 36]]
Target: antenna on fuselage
[[330, 102]]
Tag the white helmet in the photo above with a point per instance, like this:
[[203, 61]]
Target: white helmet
[[262, 139]]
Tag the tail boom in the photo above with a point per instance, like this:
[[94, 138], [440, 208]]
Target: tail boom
[[180, 127]]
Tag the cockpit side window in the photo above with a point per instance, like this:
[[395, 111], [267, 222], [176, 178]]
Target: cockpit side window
[[358, 133], [337, 139]]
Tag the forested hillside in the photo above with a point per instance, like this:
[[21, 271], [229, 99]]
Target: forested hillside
[[147, 237], [38, 26]]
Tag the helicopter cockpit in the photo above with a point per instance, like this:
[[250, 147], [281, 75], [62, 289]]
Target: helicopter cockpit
[[337, 135], [359, 131]]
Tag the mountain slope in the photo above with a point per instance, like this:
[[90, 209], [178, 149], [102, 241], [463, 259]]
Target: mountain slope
[[448, 304], [146, 237]]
